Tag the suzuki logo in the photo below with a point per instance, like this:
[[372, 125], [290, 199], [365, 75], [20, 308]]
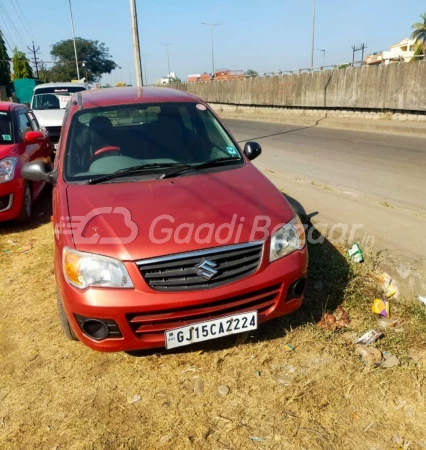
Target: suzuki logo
[[206, 269]]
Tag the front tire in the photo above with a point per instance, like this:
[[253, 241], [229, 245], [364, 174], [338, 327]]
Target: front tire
[[66, 327], [27, 205]]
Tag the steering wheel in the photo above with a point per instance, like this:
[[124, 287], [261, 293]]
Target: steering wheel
[[102, 151]]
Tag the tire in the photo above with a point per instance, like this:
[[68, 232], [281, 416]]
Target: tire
[[66, 327], [26, 207]]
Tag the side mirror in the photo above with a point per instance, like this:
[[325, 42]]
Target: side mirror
[[252, 150], [38, 171], [32, 137]]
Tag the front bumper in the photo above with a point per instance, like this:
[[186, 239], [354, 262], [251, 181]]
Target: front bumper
[[11, 195], [142, 314]]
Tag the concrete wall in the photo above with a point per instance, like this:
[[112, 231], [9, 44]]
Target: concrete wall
[[394, 87]]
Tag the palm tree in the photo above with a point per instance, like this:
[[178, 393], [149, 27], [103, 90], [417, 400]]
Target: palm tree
[[419, 35]]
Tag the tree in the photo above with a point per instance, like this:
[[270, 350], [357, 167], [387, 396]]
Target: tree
[[21, 65], [4, 65], [251, 73], [419, 35], [94, 54]]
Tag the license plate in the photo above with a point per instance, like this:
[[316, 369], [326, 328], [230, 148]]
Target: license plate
[[211, 329]]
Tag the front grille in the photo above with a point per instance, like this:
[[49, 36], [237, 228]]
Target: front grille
[[54, 132], [182, 272], [5, 202], [148, 324]]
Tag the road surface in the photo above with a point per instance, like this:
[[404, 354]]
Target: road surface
[[372, 179]]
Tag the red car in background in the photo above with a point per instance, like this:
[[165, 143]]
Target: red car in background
[[165, 233], [21, 141]]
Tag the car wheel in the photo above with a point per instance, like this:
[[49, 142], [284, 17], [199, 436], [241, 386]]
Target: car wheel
[[27, 205], [66, 327]]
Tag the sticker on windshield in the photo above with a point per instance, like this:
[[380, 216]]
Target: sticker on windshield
[[201, 107], [231, 150], [6, 137]]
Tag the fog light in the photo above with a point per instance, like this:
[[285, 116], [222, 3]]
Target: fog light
[[296, 289], [96, 329]]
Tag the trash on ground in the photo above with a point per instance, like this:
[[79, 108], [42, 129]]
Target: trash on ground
[[389, 361], [223, 390], [370, 337], [422, 299], [355, 253], [381, 307], [370, 355], [385, 324], [369, 426], [257, 373], [256, 438], [10, 242], [388, 285], [133, 399], [335, 321], [199, 352], [198, 386], [355, 416], [318, 285], [25, 248], [288, 348]]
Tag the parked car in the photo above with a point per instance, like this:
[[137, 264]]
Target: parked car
[[21, 141], [165, 232], [48, 103]]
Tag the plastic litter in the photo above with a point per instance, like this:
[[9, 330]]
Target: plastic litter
[[370, 337], [355, 253], [381, 307], [133, 399], [256, 438], [370, 355], [288, 348], [390, 361], [422, 299], [385, 324], [388, 285]]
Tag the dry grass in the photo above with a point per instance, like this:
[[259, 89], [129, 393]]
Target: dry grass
[[59, 394]]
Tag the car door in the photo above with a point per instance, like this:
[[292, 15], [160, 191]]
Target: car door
[[46, 148], [29, 151]]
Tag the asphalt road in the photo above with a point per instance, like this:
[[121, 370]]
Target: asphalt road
[[375, 179]]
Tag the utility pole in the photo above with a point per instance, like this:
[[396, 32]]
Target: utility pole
[[212, 25], [136, 49], [363, 47], [313, 35], [73, 38], [323, 55], [144, 68], [168, 59], [34, 51]]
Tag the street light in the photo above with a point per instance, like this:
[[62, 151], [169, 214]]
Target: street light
[[323, 55], [144, 66], [73, 38], [212, 25], [168, 58]]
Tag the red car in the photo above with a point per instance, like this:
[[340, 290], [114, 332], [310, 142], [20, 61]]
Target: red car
[[165, 232], [21, 141]]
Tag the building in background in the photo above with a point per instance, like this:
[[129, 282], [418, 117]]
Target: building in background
[[403, 51]]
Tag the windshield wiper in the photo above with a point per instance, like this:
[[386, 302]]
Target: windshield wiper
[[134, 170], [195, 168]]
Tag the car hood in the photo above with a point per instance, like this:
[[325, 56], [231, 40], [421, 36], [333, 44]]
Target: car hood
[[8, 150], [50, 117], [143, 219]]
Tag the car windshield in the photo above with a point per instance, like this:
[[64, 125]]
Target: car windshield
[[148, 137], [54, 97], [6, 134]]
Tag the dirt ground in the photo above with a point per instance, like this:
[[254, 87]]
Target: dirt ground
[[57, 394]]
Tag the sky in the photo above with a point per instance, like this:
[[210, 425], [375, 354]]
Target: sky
[[263, 35]]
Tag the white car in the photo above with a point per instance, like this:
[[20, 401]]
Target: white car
[[49, 102]]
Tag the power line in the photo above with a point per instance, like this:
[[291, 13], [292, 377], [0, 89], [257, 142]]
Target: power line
[[25, 19], [6, 15], [24, 24], [5, 40]]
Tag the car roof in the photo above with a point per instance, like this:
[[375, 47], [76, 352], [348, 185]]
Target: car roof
[[8, 106], [55, 85], [128, 95]]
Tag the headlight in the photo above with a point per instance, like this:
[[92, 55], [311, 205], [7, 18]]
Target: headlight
[[287, 239], [83, 270], [7, 169]]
